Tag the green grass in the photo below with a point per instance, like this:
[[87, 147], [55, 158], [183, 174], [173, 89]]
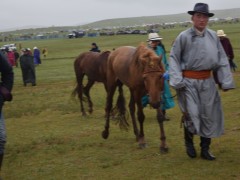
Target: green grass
[[49, 139]]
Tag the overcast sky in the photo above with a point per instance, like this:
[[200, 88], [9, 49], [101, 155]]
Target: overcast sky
[[22, 13]]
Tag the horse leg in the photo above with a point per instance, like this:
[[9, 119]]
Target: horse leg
[[80, 93], [160, 118], [108, 109], [132, 113], [141, 117], [86, 91], [105, 87]]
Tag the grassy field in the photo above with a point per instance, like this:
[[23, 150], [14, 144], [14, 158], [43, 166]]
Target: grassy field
[[49, 139]]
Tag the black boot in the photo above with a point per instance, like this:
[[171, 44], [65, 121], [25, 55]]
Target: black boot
[[205, 154], [191, 152]]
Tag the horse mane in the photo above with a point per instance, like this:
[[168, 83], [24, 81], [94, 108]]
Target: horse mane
[[101, 58], [105, 54], [145, 56]]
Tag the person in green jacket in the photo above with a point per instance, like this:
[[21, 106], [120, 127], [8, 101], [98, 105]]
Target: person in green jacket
[[155, 43]]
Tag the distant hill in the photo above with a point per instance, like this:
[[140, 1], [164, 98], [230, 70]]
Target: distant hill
[[131, 21], [24, 27], [234, 13]]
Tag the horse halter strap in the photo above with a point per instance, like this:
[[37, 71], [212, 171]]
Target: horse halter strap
[[152, 70]]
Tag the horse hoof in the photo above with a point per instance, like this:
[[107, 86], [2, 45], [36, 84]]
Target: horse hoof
[[163, 150], [142, 146], [90, 111], [105, 134]]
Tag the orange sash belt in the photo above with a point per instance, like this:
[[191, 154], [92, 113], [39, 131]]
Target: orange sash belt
[[204, 74]]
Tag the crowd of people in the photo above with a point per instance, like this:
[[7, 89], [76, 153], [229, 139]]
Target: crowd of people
[[13, 55], [27, 59], [196, 54]]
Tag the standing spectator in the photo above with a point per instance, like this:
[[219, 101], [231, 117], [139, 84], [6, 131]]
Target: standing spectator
[[44, 52], [195, 53], [16, 55], [6, 84], [29, 51], [10, 56], [155, 43], [36, 55], [227, 46], [28, 68], [95, 48]]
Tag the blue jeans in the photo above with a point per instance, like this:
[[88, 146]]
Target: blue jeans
[[2, 134]]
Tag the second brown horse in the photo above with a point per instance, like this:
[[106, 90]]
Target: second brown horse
[[93, 65]]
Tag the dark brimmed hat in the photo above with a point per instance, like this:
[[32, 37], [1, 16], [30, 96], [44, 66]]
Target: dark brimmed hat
[[201, 8]]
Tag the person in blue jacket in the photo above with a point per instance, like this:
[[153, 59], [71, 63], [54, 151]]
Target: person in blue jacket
[[155, 43], [36, 55], [95, 48]]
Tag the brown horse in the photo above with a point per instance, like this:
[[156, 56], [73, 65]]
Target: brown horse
[[94, 66], [141, 70]]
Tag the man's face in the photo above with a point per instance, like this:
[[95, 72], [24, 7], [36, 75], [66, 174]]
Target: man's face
[[200, 21]]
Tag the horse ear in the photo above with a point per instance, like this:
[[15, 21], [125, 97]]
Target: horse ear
[[142, 44]]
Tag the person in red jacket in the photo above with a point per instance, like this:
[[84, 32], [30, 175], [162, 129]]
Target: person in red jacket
[[10, 56], [227, 46]]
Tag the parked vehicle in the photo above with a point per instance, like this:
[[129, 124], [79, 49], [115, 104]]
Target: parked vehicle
[[76, 34]]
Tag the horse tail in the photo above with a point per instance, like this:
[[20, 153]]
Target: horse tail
[[79, 76], [119, 111]]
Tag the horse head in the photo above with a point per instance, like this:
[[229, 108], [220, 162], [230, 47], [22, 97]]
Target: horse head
[[152, 74]]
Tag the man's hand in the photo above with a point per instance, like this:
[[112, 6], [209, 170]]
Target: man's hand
[[166, 76]]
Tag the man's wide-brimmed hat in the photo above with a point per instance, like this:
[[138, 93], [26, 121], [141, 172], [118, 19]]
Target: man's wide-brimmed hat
[[154, 37], [201, 8], [220, 33]]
